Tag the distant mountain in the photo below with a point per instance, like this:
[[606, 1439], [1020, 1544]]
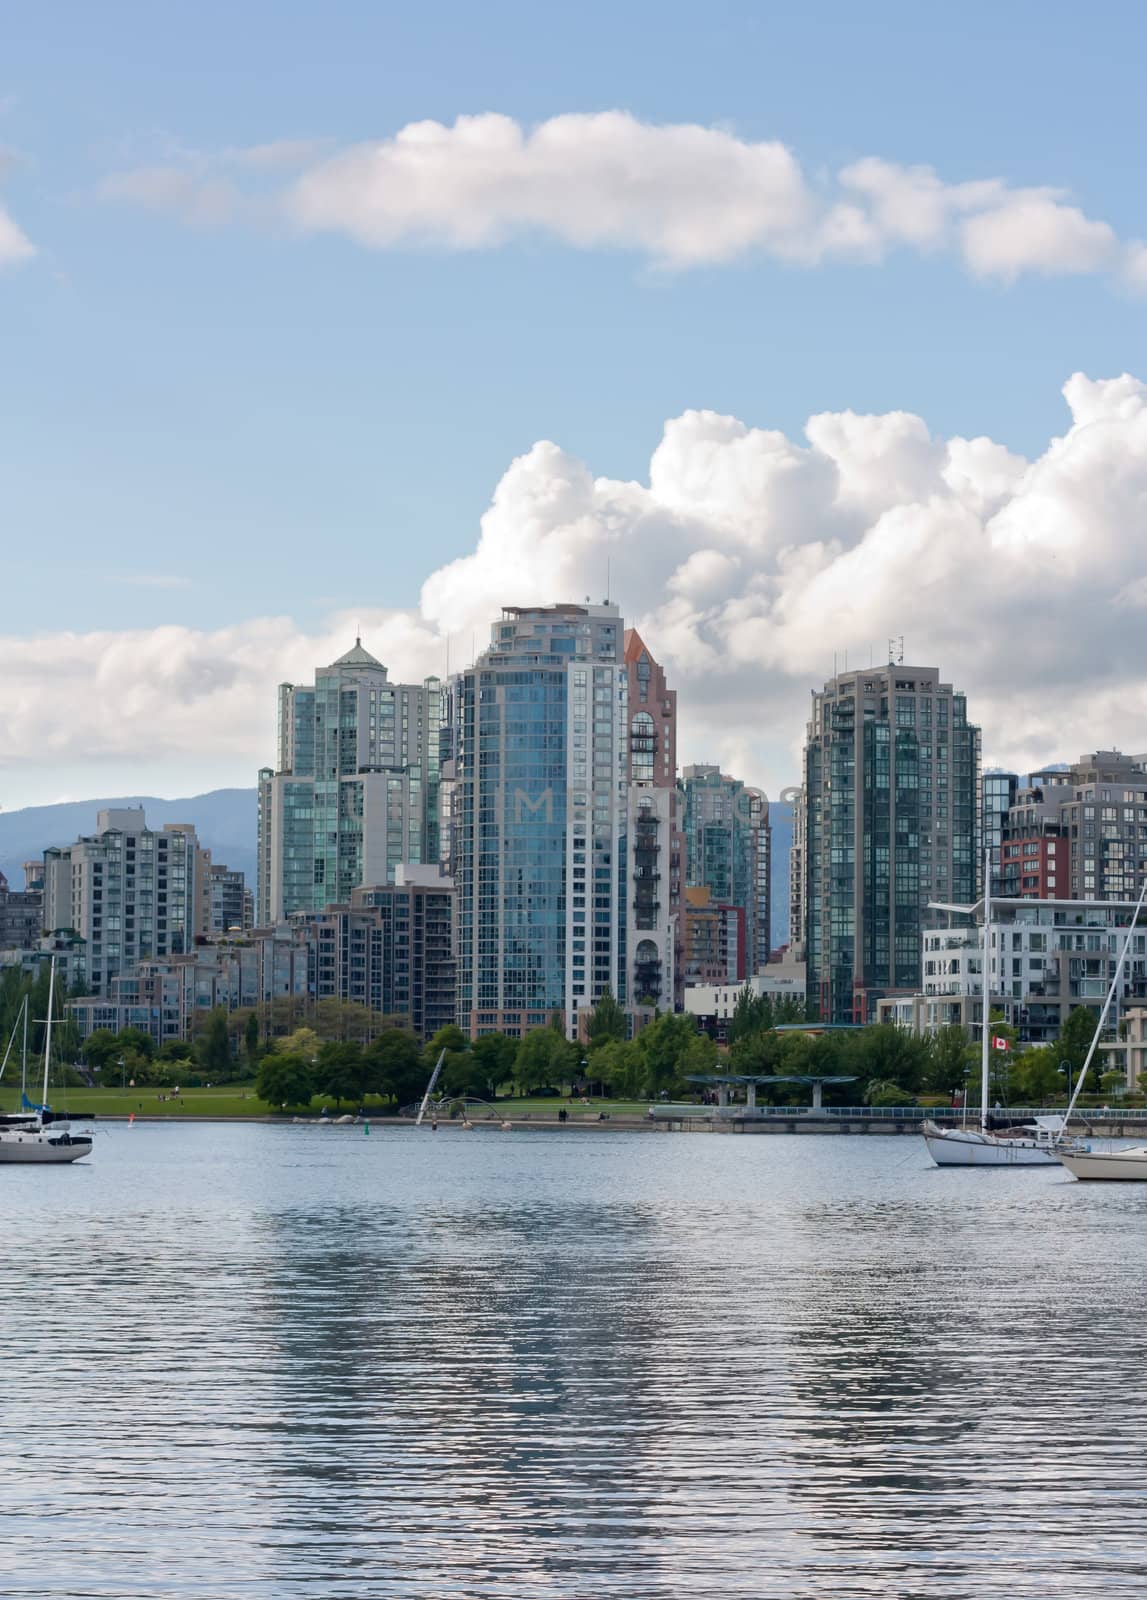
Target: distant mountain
[[224, 819]]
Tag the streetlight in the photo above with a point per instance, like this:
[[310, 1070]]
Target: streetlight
[[122, 1074], [1065, 1068]]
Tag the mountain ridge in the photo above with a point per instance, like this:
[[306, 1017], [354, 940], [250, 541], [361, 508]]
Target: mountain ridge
[[224, 819]]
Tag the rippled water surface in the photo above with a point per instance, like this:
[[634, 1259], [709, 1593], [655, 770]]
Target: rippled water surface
[[297, 1361]]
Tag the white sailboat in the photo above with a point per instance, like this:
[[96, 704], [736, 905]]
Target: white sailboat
[[39, 1135], [1030, 1146], [1126, 1165]]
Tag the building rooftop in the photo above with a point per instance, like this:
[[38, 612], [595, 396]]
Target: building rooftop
[[356, 656]]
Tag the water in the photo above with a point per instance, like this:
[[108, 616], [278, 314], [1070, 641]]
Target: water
[[295, 1361]]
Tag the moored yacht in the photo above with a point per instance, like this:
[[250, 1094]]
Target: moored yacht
[[38, 1135]]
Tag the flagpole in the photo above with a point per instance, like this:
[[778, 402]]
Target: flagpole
[[986, 990]]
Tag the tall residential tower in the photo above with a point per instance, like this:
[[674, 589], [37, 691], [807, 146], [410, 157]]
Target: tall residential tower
[[540, 819], [355, 790], [727, 851], [892, 821]]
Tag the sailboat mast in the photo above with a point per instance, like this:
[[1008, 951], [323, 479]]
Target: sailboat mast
[[1106, 1006], [24, 1059], [986, 990], [48, 1028], [11, 1042]]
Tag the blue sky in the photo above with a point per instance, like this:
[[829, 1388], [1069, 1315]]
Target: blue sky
[[286, 424]]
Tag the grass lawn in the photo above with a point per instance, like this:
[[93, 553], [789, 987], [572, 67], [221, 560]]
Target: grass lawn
[[230, 1100], [239, 1100]]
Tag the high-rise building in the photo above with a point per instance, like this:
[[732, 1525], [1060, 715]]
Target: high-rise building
[[226, 900], [715, 943], [727, 850], [541, 819], [1079, 832], [131, 893], [657, 977], [998, 795], [414, 977], [797, 880], [355, 790], [891, 778]]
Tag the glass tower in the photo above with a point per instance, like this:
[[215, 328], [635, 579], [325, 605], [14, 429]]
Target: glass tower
[[539, 819], [727, 839], [356, 788], [892, 821]]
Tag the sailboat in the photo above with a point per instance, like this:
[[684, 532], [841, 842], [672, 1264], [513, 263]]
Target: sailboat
[[1127, 1165], [1032, 1145], [36, 1134]]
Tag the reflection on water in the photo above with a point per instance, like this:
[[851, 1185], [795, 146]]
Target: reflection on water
[[296, 1362]]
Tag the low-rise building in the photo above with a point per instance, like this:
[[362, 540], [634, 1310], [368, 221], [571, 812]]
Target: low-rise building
[[170, 998], [1046, 957], [713, 1004], [71, 959], [390, 949]]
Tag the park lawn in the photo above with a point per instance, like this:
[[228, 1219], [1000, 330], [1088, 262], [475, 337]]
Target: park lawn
[[240, 1100], [229, 1100]]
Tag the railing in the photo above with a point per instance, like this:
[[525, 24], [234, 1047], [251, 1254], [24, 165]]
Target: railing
[[896, 1113]]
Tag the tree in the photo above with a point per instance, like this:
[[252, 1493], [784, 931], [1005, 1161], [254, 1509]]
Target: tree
[[620, 1064], [1075, 1041], [214, 1047], [303, 1042], [699, 1055], [1036, 1074], [136, 1039], [458, 1075], [606, 1022], [174, 1050], [756, 1053], [948, 1059], [395, 1066], [251, 1040], [494, 1055], [886, 1053], [752, 1014], [663, 1043], [882, 1093], [542, 1057], [342, 1072], [285, 1080], [99, 1048], [1112, 1082]]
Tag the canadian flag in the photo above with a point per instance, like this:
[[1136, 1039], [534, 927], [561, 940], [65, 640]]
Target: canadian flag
[[999, 1042]]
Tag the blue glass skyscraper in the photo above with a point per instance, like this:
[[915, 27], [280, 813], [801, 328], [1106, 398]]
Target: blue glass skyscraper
[[539, 819]]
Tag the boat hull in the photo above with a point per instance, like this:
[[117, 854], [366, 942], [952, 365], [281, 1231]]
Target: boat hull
[[964, 1147], [37, 1149], [1107, 1167]]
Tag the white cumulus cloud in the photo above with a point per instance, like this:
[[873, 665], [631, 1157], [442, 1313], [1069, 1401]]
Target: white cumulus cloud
[[749, 560], [15, 245], [680, 194]]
